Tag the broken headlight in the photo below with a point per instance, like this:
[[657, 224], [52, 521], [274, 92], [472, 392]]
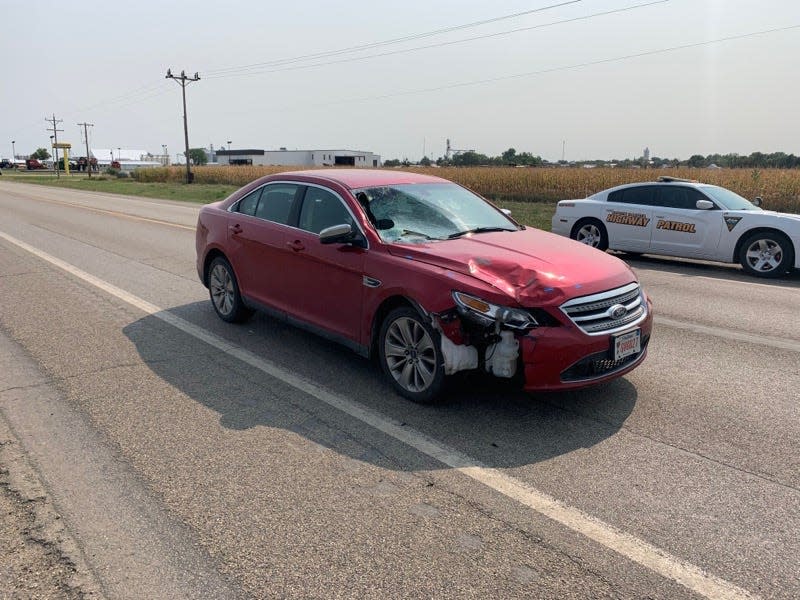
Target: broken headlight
[[489, 314]]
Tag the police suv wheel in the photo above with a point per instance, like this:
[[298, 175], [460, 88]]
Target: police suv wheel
[[590, 232], [767, 254]]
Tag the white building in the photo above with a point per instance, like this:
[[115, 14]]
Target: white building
[[128, 158], [301, 158]]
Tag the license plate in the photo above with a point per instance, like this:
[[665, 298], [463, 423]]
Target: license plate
[[627, 344]]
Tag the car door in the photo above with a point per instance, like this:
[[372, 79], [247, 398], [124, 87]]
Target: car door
[[682, 229], [629, 217], [257, 232], [325, 281]]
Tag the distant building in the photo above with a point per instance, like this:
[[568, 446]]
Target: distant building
[[300, 158], [128, 158]]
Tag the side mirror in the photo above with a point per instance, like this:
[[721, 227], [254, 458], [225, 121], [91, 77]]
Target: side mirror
[[704, 204], [505, 211], [757, 201], [340, 234]]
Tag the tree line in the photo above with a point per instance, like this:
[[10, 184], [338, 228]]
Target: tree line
[[756, 160]]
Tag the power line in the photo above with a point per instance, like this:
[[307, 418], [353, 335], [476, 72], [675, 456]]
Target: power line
[[442, 44], [139, 92], [397, 40], [566, 68], [149, 91]]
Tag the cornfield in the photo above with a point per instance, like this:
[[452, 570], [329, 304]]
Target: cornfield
[[779, 188]]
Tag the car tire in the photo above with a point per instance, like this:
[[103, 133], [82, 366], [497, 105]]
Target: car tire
[[223, 289], [766, 254], [590, 232], [410, 354]]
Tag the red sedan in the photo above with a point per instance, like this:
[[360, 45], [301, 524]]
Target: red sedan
[[424, 274]]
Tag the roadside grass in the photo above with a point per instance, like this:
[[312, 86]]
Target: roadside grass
[[535, 214], [199, 193]]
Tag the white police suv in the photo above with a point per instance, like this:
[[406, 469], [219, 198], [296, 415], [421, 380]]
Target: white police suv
[[679, 217]]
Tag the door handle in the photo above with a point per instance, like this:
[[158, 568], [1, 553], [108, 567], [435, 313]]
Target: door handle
[[235, 228], [296, 245]]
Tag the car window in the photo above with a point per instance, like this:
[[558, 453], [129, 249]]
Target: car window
[[728, 199], [322, 209], [680, 197], [248, 204], [640, 194], [276, 202]]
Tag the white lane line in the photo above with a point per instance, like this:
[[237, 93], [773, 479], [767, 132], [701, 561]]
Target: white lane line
[[748, 283], [637, 550], [729, 334]]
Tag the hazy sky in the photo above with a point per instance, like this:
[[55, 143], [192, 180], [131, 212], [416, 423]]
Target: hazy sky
[[531, 89]]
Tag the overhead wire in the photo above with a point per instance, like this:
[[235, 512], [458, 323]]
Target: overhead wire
[[397, 40], [564, 68], [144, 92], [447, 43]]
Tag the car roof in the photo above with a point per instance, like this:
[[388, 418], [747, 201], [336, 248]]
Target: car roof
[[676, 182], [361, 178]]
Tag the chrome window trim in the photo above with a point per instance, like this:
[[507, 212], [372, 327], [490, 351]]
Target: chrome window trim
[[230, 209]]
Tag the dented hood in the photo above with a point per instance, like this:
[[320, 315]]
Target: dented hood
[[531, 266]]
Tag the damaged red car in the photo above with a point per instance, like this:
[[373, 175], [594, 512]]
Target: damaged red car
[[424, 275]]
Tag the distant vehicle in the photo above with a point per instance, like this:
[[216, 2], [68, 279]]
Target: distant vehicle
[[32, 164], [425, 275], [6, 164], [679, 217]]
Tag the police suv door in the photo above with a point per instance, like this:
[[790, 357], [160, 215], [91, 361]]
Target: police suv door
[[682, 229], [629, 217]]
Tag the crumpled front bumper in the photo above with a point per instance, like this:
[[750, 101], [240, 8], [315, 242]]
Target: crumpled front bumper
[[563, 358]]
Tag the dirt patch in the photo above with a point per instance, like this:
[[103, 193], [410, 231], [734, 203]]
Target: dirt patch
[[38, 558]]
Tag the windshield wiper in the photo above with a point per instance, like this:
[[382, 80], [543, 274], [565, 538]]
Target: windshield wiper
[[417, 234], [478, 230]]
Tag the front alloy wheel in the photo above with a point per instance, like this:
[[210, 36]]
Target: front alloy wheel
[[768, 254], [410, 355]]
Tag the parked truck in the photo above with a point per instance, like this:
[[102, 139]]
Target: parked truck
[[32, 164]]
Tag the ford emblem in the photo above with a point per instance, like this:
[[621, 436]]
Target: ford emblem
[[617, 311]]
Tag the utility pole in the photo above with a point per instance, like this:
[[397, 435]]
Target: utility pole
[[55, 138], [86, 137], [183, 81]]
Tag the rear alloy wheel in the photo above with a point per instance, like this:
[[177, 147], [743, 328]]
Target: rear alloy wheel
[[224, 291], [591, 232], [767, 254], [411, 356]]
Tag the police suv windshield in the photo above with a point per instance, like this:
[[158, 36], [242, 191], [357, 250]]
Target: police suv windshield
[[728, 199]]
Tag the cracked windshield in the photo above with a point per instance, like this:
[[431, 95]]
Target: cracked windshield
[[421, 212]]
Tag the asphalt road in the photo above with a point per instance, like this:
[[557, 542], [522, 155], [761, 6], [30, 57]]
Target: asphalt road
[[191, 458]]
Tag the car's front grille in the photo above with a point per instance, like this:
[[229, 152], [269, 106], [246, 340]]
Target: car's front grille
[[599, 365], [603, 313]]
